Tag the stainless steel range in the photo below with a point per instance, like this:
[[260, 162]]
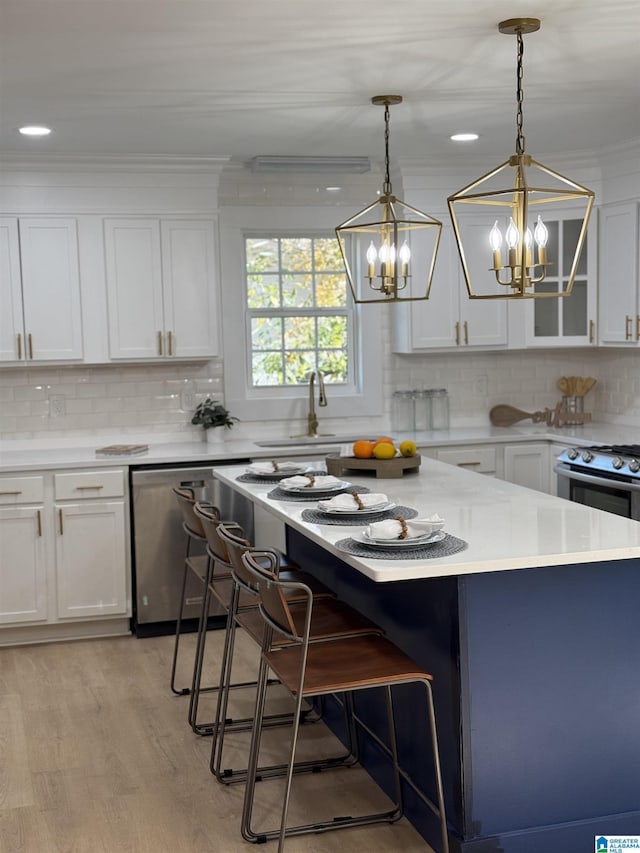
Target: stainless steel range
[[606, 477]]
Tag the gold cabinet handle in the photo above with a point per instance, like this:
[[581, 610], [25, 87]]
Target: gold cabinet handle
[[466, 332], [467, 464], [11, 493], [19, 347], [61, 524], [160, 343], [627, 327], [457, 334], [82, 488], [39, 522], [170, 344], [592, 331], [638, 327], [30, 340]]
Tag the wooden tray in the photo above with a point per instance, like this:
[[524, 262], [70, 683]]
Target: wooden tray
[[382, 468]]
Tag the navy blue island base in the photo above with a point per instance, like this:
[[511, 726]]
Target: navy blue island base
[[537, 691]]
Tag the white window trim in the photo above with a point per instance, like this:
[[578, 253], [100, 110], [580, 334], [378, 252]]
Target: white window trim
[[280, 403]]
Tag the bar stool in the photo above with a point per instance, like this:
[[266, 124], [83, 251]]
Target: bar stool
[[197, 564], [219, 584], [331, 619], [312, 669]]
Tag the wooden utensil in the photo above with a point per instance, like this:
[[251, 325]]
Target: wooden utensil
[[504, 415], [563, 385], [589, 382]]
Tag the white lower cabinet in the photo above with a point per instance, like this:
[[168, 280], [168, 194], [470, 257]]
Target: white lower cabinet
[[64, 549], [527, 465], [23, 568], [482, 458]]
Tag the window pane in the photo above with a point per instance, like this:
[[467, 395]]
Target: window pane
[[262, 255], [327, 255], [334, 364], [570, 233], [298, 365], [263, 291], [332, 332], [296, 254], [546, 313], [297, 291], [574, 310], [331, 290], [266, 368], [266, 333], [300, 332]]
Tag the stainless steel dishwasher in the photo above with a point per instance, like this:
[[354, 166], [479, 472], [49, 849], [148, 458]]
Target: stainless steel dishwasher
[[159, 541]]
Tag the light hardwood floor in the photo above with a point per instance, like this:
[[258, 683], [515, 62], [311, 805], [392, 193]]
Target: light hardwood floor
[[96, 757]]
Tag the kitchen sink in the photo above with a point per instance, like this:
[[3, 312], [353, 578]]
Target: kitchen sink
[[305, 441]]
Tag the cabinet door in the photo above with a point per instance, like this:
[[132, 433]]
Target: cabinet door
[[189, 286], [51, 289], [23, 578], [11, 325], [566, 321], [619, 282], [527, 465], [90, 559], [134, 288]]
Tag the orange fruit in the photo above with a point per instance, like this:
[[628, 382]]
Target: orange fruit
[[383, 439], [384, 450], [363, 449]]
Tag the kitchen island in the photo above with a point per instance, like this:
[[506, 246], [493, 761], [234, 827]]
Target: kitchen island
[[532, 635]]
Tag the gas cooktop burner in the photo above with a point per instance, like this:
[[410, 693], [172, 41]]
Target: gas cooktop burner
[[612, 460]]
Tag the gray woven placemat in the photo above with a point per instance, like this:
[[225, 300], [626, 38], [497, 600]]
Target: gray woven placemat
[[317, 516], [448, 546], [272, 478], [278, 495]]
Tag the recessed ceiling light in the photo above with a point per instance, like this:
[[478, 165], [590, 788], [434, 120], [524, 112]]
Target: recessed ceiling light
[[464, 137], [333, 189], [35, 130]]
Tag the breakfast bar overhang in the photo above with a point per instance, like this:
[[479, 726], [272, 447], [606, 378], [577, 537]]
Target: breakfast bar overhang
[[532, 635]]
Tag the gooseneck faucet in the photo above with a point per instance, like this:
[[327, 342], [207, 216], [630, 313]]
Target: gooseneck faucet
[[312, 418]]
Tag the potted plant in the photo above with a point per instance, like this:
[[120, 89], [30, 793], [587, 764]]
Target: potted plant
[[210, 413]]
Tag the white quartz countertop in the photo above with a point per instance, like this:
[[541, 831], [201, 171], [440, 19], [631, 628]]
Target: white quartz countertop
[[506, 526], [42, 454]]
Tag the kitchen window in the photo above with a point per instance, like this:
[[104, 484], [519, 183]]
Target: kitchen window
[[299, 314], [287, 310]]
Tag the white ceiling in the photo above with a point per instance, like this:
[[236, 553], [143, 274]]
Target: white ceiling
[[245, 77]]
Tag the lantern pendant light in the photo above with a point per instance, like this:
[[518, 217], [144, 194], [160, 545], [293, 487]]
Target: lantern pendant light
[[513, 258], [389, 249]]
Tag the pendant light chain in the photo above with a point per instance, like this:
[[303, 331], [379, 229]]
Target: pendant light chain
[[386, 187], [520, 140]]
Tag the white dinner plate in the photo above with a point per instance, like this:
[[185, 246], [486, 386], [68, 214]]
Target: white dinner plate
[[413, 542], [290, 472], [383, 507], [309, 490]]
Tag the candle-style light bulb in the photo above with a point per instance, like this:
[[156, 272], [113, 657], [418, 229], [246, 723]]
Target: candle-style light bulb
[[512, 237], [541, 235], [383, 255], [528, 242], [405, 256], [495, 241], [372, 254]]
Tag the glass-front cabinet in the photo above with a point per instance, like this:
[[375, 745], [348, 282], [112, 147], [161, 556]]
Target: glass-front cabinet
[[570, 320]]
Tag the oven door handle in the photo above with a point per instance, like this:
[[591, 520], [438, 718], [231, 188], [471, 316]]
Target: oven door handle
[[594, 480]]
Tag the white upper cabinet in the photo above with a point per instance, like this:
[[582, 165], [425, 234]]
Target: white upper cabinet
[[40, 309], [449, 319], [571, 320], [161, 288], [619, 298]]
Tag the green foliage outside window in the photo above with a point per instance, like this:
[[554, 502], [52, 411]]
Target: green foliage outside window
[[298, 308]]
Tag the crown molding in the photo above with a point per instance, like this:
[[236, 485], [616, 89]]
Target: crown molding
[[112, 163]]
